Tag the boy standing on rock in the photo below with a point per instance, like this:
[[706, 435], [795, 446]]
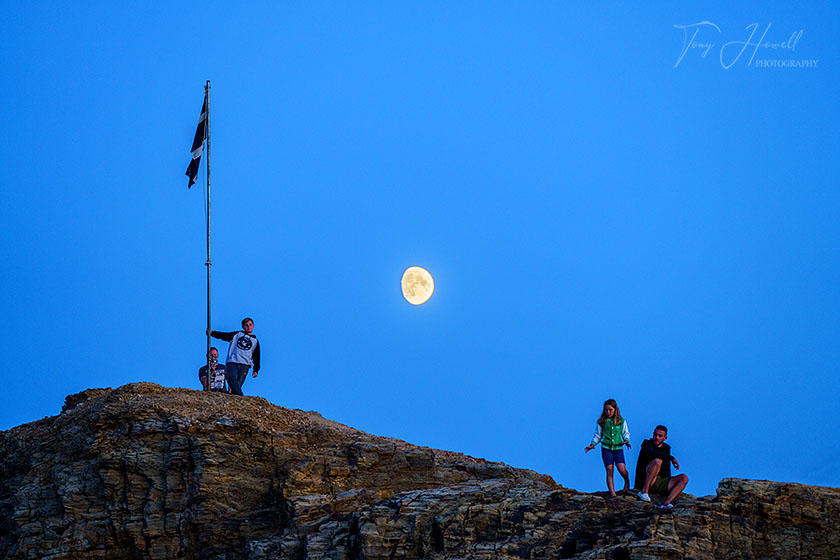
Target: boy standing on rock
[[243, 352]]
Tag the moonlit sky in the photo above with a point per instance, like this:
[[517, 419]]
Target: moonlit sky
[[599, 223]]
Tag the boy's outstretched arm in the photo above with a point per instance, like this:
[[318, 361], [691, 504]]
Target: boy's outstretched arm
[[226, 336]]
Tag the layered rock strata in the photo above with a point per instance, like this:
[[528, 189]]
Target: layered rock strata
[[144, 471]]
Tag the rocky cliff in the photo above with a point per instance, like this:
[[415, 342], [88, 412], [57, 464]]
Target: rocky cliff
[[149, 472]]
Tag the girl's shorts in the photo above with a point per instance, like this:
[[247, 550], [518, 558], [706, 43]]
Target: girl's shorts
[[611, 456]]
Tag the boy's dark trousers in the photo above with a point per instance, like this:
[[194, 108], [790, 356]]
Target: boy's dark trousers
[[235, 375]]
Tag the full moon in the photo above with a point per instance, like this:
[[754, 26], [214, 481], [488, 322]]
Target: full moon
[[417, 285]]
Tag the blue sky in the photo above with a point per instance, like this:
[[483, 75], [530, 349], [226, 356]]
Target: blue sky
[[601, 220]]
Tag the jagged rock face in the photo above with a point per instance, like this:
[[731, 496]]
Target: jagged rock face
[[148, 472]]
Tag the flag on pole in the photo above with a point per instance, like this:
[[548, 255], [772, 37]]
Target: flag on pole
[[198, 144]]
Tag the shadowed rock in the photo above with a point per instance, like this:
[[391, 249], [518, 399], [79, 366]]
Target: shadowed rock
[[144, 471]]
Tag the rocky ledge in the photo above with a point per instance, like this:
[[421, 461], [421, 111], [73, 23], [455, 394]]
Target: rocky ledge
[[144, 471]]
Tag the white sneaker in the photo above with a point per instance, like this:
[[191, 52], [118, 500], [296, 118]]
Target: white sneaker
[[643, 496]]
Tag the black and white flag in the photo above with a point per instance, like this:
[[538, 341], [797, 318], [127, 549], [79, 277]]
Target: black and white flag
[[197, 144]]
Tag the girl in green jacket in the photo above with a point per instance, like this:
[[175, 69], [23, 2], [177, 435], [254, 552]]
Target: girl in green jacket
[[612, 431]]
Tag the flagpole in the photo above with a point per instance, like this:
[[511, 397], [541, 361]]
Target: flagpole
[[208, 263]]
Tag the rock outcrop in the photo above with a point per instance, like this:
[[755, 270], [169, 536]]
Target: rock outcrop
[[144, 471]]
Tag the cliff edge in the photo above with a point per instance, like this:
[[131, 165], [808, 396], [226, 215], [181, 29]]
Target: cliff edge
[[147, 472]]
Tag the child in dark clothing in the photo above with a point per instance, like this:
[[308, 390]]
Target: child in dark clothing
[[653, 469]]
